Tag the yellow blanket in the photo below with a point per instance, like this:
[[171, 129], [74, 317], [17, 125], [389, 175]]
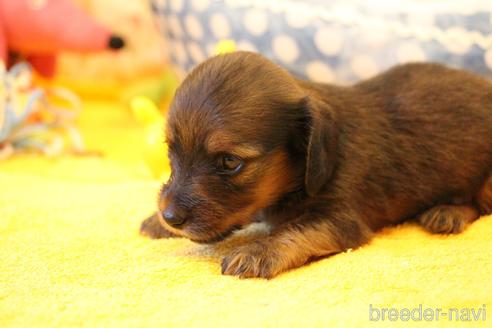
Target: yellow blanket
[[71, 255]]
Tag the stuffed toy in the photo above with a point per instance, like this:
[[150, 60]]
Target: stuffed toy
[[36, 30]]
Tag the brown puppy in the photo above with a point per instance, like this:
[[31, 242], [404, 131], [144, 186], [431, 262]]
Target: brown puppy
[[325, 165]]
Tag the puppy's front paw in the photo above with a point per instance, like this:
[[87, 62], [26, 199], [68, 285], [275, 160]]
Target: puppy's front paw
[[153, 229], [255, 260]]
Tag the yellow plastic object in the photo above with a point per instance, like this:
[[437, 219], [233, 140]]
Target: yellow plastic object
[[159, 89], [154, 148], [145, 110], [225, 46]]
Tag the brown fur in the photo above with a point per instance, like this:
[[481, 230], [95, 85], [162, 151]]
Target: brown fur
[[325, 165]]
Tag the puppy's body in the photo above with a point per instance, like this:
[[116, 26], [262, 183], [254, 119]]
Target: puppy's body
[[325, 165], [416, 136]]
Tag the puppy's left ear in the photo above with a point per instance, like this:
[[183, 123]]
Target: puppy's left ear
[[321, 146]]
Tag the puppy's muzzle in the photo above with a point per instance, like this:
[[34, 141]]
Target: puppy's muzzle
[[175, 216]]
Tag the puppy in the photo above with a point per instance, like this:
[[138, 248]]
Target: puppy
[[326, 166]]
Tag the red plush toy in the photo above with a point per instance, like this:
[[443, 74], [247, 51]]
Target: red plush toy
[[36, 30]]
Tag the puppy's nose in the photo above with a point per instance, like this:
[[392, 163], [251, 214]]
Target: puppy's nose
[[174, 216]]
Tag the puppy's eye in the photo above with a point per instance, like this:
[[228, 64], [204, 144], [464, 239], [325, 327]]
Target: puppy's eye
[[230, 164]]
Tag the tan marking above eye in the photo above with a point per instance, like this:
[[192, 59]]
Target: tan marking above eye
[[245, 151], [220, 142]]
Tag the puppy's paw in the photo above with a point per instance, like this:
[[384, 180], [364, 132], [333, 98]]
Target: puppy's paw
[[255, 260], [447, 219], [153, 229]]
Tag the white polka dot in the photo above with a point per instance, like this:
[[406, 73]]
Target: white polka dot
[[364, 66], [488, 58], [176, 5], [210, 48], [422, 25], [410, 52], [200, 5], [180, 52], [196, 52], [421, 18], [376, 38], [457, 40], [285, 48], [299, 19], [220, 26], [320, 72], [246, 46], [193, 27], [328, 41], [175, 26], [256, 22]]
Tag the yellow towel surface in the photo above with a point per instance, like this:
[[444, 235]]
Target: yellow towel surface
[[71, 255]]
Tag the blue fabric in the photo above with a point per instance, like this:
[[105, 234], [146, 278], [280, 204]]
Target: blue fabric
[[339, 41]]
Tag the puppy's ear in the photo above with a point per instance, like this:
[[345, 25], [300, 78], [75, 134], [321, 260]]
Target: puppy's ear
[[321, 146]]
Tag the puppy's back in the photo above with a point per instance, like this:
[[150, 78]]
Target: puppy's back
[[422, 131], [435, 105]]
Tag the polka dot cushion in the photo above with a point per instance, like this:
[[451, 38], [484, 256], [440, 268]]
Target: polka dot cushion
[[326, 41]]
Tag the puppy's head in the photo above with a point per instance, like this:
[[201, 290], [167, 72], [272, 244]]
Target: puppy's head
[[241, 134]]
